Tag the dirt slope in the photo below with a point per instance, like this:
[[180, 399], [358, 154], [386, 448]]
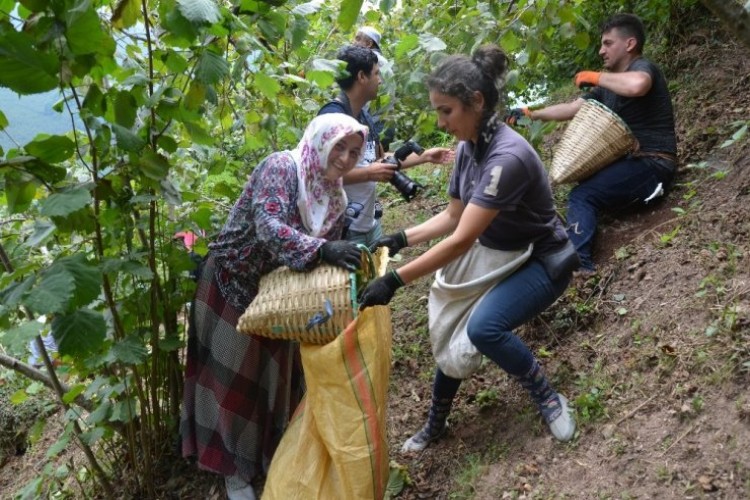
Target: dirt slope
[[655, 351]]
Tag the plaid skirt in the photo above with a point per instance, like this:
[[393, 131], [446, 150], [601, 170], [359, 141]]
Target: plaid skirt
[[240, 390]]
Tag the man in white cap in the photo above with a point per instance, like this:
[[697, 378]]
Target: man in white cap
[[368, 37]]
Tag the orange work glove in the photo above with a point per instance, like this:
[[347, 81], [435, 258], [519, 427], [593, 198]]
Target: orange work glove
[[587, 79], [516, 114]]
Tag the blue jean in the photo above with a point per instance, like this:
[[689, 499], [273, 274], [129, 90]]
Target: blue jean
[[627, 183], [512, 302]]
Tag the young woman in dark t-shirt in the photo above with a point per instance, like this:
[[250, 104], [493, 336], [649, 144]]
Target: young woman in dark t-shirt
[[500, 196]]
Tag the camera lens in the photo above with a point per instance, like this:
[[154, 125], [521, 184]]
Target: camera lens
[[407, 187]]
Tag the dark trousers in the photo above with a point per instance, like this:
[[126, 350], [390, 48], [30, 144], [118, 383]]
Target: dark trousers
[[627, 183]]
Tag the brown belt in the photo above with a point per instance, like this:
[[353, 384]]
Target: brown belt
[[654, 154]]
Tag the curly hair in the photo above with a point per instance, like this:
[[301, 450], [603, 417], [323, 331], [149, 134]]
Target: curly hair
[[357, 59]]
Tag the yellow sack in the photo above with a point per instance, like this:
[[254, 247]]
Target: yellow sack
[[336, 446]]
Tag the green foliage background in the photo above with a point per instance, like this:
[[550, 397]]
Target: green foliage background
[[176, 101]]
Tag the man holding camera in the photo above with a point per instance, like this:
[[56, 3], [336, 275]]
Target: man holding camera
[[359, 87]]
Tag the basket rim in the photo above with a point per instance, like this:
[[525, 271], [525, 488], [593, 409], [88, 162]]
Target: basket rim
[[615, 116]]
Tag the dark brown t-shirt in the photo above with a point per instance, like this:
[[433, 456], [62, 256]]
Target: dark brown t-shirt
[[509, 176]]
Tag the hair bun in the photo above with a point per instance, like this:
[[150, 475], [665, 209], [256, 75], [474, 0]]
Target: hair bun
[[491, 60]]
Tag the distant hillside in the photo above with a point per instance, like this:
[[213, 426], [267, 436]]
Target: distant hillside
[[29, 116]]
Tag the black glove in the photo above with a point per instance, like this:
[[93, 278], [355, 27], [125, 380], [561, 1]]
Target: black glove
[[341, 253], [394, 242], [380, 291], [515, 114]]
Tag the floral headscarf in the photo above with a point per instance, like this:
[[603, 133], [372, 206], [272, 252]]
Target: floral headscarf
[[321, 201]]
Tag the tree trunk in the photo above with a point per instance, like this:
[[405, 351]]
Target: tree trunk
[[733, 15]]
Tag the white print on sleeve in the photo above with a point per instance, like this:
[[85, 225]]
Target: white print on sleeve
[[491, 188]]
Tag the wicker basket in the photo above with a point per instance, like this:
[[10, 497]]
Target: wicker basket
[[594, 138], [312, 306]]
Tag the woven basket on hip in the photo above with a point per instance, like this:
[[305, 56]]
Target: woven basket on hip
[[313, 306], [594, 138]]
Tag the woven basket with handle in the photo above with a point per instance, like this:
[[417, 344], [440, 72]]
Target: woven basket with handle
[[313, 306], [594, 138]]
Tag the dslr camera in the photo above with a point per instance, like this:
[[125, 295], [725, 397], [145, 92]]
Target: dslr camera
[[405, 185]]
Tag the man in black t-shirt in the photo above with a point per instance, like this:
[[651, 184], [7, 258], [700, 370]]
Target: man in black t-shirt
[[635, 89]]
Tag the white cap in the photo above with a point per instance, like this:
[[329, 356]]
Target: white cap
[[371, 33]]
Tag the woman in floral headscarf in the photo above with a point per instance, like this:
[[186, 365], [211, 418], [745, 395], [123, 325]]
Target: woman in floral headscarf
[[240, 389]]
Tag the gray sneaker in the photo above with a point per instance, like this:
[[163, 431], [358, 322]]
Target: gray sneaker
[[422, 439], [563, 427]]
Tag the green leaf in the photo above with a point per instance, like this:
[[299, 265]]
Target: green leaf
[[175, 62], [431, 43], [52, 149], [195, 96], [80, 332], [35, 167], [24, 69], [510, 42], [126, 13], [179, 26], [170, 192], [100, 414], [86, 276], [198, 134], [84, 31], [167, 143], [16, 340], [128, 140], [199, 11], [322, 79], [73, 393], [42, 231], [52, 293], [348, 14], [127, 266], [59, 446], [11, 296], [581, 40], [19, 195], [267, 85], [202, 217], [3, 121], [129, 351], [171, 343], [92, 436], [66, 202], [34, 388], [153, 165], [125, 109], [124, 411], [211, 68], [19, 397], [407, 43], [305, 9]]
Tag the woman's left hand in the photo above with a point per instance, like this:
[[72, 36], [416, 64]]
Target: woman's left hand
[[380, 291], [438, 155]]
